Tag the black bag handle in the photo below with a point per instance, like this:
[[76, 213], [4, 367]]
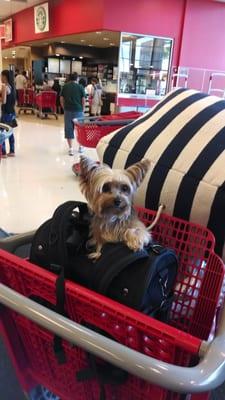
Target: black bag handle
[[58, 230]]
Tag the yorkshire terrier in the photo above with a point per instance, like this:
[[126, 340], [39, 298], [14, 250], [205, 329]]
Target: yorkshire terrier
[[109, 194]]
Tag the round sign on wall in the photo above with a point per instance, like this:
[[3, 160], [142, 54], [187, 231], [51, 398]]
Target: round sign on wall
[[41, 18]]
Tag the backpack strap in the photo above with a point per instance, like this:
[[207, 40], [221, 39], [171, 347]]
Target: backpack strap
[[58, 231], [120, 257], [58, 252]]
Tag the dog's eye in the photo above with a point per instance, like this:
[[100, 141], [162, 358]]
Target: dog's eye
[[125, 188], [106, 188]]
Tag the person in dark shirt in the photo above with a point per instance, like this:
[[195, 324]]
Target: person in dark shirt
[[72, 100], [57, 88], [8, 108]]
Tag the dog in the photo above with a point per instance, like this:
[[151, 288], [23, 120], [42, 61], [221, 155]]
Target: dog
[[109, 194]]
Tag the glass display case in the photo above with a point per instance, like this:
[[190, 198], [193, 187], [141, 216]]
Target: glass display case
[[144, 66]]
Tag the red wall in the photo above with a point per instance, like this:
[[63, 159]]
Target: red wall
[[66, 17], [197, 26], [156, 17], [203, 43]]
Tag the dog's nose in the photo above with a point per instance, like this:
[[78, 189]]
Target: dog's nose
[[117, 201]]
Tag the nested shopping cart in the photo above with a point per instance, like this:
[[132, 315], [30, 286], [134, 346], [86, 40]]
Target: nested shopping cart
[[46, 103], [26, 100], [164, 362], [90, 130]]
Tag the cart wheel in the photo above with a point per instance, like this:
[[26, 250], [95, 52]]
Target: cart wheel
[[76, 169], [41, 393]]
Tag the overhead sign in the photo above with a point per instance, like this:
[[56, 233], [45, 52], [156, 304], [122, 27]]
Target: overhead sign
[[8, 30], [41, 18]]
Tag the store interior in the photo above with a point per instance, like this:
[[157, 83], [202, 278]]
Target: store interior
[[128, 66]]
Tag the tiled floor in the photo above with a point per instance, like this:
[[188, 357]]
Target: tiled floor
[[31, 186], [39, 178]]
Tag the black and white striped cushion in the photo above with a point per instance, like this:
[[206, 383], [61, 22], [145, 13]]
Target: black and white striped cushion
[[184, 137]]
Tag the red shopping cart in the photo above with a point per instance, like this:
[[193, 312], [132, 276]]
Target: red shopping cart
[[46, 104], [26, 100], [90, 130], [163, 360]]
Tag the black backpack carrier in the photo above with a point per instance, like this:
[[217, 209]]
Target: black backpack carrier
[[142, 280]]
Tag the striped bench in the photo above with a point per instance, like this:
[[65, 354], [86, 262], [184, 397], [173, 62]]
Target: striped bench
[[184, 137]]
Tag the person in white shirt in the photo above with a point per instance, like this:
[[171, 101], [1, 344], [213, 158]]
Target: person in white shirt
[[20, 82]]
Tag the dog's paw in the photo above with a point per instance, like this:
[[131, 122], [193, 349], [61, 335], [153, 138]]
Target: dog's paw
[[136, 238], [94, 256]]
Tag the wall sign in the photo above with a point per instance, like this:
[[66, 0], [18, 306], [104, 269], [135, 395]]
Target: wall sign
[[2, 31], [8, 30], [41, 18]]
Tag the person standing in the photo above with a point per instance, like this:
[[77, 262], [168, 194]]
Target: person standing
[[82, 82], [20, 82], [8, 109], [72, 100], [96, 97]]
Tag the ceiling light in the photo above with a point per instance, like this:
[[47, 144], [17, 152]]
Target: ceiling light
[[74, 58], [112, 44], [90, 45], [57, 54], [82, 40], [98, 33], [13, 56], [105, 38], [62, 41], [81, 58]]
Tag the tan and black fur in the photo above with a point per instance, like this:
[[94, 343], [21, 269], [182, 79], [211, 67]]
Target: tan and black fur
[[109, 194]]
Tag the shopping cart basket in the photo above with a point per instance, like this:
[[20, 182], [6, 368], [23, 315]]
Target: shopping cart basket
[[5, 132], [46, 104], [162, 359], [90, 130], [26, 100]]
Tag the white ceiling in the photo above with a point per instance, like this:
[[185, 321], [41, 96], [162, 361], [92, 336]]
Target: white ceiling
[[96, 39], [10, 7]]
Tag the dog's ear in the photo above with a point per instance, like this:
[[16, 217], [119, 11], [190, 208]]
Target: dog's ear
[[87, 167], [137, 172]]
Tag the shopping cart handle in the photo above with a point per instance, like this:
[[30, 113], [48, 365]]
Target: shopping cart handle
[[5, 132], [113, 122], [12, 243], [205, 376]]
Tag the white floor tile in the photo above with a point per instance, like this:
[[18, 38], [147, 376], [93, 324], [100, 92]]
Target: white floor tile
[[39, 178]]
